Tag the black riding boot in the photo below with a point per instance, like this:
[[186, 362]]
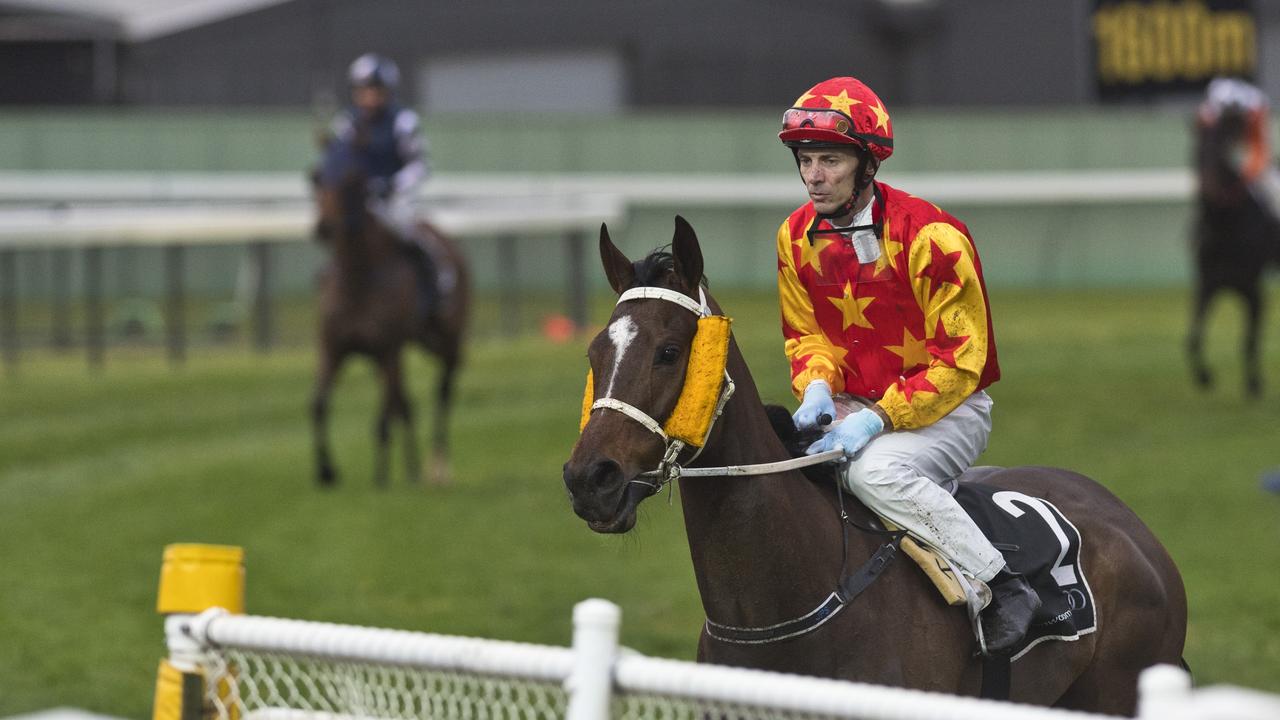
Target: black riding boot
[[425, 265], [1006, 620]]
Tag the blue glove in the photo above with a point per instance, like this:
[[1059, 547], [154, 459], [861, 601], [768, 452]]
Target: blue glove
[[853, 433], [817, 402]]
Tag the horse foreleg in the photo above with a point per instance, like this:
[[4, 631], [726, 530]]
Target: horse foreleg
[[1195, 337], [1253, 323], [389, 370], [329, 363], [440, 427], [403, 409]]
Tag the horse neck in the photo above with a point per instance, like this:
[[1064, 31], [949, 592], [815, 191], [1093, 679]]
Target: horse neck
[[357, 255], [764, 547]]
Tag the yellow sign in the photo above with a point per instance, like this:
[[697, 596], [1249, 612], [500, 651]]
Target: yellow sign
[[1168, 44]]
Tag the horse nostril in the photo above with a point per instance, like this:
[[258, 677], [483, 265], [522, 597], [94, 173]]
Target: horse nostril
[[604, 473]]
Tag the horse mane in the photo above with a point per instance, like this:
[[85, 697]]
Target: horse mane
[[653, 268]]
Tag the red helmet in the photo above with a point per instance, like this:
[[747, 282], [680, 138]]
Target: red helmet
[[839, 111]]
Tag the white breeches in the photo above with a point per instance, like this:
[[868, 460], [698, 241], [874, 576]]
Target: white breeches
[[898, 473], [399, 212]]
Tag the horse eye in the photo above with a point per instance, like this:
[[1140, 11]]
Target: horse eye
[[668, 354]]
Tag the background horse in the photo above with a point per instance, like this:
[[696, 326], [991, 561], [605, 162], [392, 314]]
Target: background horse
[[1233, 240], [370, 305], [768, 548]]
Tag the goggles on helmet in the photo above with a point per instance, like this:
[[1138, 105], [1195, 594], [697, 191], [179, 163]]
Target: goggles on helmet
[[797, 118], [802, 125]]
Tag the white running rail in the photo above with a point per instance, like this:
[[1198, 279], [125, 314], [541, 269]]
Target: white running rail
[[639, 189], [273, 669]]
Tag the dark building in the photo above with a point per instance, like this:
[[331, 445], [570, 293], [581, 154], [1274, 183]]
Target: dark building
[[556, 55]]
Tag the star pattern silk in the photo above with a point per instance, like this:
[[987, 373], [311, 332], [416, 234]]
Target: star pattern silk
[[911, 331]]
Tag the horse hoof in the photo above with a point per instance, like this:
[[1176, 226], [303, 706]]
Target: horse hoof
[[326, 477], [440, 474], [1204, 379]]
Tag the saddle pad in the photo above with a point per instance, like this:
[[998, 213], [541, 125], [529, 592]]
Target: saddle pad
[[1039, 542]]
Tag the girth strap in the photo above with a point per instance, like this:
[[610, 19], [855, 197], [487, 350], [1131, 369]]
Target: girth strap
[[849, 588], [853, 585]]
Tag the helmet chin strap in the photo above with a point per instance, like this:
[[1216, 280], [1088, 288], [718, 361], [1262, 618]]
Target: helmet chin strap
[[845, 209], [863, 180]]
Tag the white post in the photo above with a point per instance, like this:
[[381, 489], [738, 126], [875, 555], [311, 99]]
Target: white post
[[1164, 693], [595, 649]]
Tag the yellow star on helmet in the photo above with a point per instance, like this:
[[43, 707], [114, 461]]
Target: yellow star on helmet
[[882, 117], [843, 102], [912, 351], [853, 309], [809, 254], [800, 100]]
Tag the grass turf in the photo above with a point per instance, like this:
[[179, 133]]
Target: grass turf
[[98, 472]]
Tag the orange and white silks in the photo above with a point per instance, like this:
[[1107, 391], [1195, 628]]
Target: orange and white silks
[[911, 330]]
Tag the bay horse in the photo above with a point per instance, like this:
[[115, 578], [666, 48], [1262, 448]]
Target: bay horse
[[768, 548], [370, 305], [1234, 239]]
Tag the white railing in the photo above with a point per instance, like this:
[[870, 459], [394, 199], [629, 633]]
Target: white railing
[[1158, 185], [190, 222], [265, 667]]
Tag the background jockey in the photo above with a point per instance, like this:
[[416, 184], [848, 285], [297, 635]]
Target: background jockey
[[1252, 158], [395, 153], [883, 298]]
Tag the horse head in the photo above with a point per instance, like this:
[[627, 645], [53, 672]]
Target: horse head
[[341, 183], [638, 365]]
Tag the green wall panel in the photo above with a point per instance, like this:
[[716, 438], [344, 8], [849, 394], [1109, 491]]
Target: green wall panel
[[1021, 245]]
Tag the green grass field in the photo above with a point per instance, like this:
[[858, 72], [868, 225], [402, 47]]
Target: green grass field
[[99, 472]]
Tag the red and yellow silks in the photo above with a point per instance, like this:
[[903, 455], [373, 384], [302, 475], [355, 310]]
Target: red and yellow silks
[[911, 330]]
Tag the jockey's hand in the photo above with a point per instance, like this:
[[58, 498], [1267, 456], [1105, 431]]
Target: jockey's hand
[[816, 403], [852, 433]]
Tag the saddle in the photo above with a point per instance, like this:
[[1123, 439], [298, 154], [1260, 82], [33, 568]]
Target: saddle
[[1037, 540]]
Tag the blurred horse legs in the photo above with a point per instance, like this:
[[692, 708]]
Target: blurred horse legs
[[1253, 321], [1195, 338], [440, 427], [394, 406], [329, 364]]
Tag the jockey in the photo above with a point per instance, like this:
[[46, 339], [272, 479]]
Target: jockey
[[395, 153], [1252, 158], [882, 298]]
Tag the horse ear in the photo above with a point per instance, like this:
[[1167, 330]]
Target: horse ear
[[619, 270], [687, 253]]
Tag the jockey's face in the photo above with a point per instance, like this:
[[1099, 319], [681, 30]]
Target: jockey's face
[[370, 98], [828, 175]]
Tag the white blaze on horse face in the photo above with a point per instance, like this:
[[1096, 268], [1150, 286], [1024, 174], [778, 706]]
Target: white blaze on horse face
[[621, 331]]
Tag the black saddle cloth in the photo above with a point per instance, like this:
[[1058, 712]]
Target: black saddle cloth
[[1038, 541]]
